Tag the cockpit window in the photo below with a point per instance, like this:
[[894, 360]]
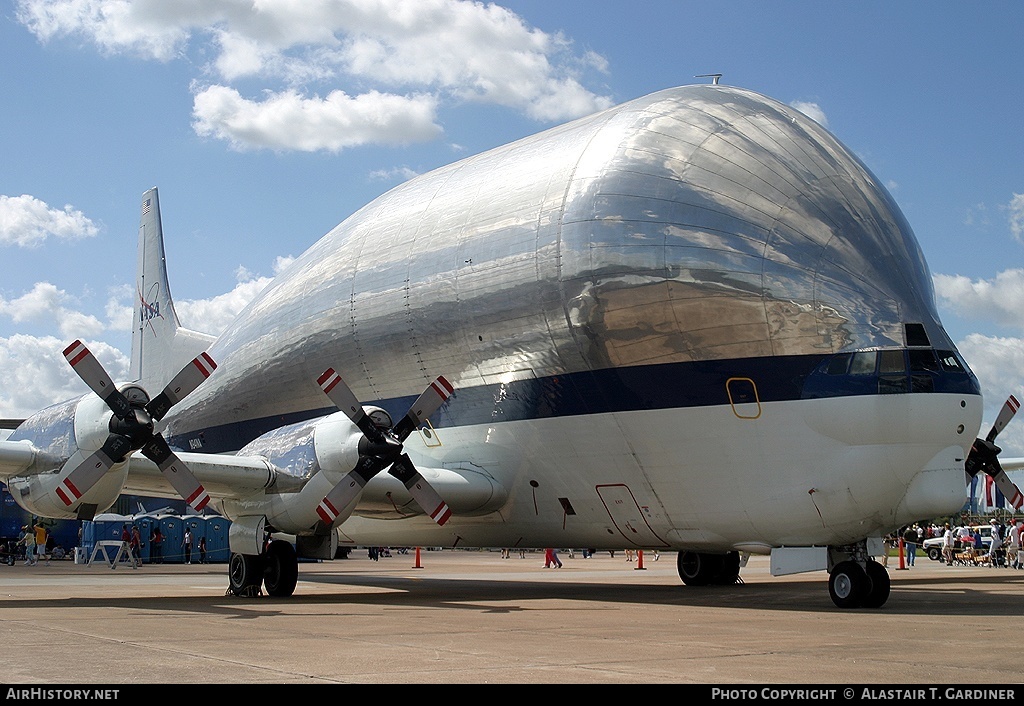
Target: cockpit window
[[923, 361], [949, 361], [839, 364], [891, 362], [916, 335], [863, 363], [891, 372]]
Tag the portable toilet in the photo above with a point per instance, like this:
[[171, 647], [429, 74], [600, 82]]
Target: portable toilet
[[217, 549], [108, 526], [88, 540], [105, 527], [172, 528], [145, 523]]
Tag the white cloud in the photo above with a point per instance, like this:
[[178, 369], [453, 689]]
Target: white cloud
[[812, 111], [36, 374], [152, 29], [215, 314], [1016, 208], [288, 121], [47, 304], [27, 221], [400, 173], [1000, 300], [999, 365], [450, 49]]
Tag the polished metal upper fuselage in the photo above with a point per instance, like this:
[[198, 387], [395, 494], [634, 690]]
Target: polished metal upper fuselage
[[701, 223]]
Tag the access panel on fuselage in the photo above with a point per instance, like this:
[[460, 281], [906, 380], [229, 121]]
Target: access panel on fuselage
[[627, 515]]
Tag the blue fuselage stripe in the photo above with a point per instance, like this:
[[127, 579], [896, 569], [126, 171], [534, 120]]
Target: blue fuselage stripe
[[649, 387]]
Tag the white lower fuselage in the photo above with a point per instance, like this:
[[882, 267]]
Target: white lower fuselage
[[809, 472]]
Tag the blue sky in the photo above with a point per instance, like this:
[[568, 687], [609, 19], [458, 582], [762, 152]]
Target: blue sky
[[265, 131]]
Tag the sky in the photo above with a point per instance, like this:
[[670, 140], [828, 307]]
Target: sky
[[265, 124]]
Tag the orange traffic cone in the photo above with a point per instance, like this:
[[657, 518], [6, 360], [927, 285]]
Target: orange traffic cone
[[902, 562], [418, 566], [639, 560]]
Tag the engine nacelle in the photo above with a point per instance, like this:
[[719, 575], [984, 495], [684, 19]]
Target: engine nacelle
[[316, 454], [63, 436]]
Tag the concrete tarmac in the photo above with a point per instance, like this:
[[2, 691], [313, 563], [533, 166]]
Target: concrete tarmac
[[469, 617]]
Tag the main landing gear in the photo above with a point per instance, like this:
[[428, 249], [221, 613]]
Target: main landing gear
[[703, 569], [859, 584], [277, 569]]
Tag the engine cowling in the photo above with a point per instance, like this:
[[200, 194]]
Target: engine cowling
[[62, 436], [317, 454]]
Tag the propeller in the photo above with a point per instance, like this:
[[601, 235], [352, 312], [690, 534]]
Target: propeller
[[383, 448], [984, 456], [132, 427]]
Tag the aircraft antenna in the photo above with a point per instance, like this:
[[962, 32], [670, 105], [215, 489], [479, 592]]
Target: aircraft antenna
[[714, 78]]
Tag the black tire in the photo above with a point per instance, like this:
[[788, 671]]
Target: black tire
[[730, 570], [934, 553], [281, 569], [698, 568], [878, 590], [245, 573], [848, 585]]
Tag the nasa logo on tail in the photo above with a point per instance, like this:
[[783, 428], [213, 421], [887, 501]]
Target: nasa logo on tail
[[149, 309]]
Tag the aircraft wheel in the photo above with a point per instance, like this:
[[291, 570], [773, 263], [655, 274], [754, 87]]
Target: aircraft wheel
[[848, 584], [878, 592], [698, 568], [281, 570], [245, 573], [730, 570]]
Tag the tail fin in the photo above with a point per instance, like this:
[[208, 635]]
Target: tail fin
[[160, 346]]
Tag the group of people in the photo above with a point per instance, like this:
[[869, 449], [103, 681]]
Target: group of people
[[38, 544], [131, 539], [1003, 549]]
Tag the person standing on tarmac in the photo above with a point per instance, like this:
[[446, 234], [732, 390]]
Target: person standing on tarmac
[[947, 545], [997, 543], [910, 542], [29, 540], [41, 535], [186, 542], [156, 547], [136, 546]]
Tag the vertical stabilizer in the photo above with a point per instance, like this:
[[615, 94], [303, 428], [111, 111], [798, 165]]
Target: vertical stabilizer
[[160, 346]]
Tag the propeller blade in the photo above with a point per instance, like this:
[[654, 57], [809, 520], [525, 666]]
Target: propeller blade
[[93, 374], [429, 401], [188, 379], [345, 400], [1009, 489], [347, 489], [88, 473], [176, 472], [1009, 409], [422, 492]]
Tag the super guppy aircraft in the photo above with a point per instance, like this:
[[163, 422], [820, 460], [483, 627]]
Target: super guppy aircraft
[[692, 322]]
